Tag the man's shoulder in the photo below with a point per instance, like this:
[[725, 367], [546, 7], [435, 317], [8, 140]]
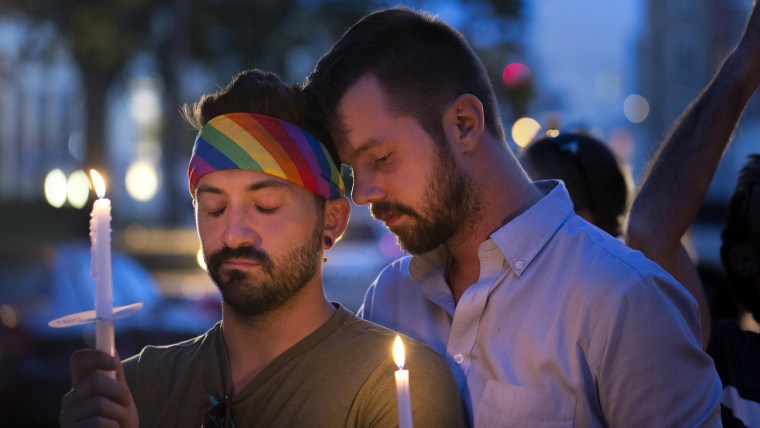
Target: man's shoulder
[[360, 329], [169, 355], [609, 254], [376, 336]]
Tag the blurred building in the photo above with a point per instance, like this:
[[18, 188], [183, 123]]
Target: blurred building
[[684, 43], [40, 117]]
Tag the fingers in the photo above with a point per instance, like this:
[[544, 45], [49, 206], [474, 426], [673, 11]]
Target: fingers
[[95, 398], [86, 361], [92, 411]]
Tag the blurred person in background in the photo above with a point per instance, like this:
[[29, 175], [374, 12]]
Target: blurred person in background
[[269, 201], [668, 201], [599, 183], [543, 318]]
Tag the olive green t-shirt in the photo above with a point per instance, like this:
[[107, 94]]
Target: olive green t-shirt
[[341, 375]]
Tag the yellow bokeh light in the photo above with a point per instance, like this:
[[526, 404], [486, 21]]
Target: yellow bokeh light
[[55, 188], [142, 181], [552, 133], [524, 130], [199, 258], [78, 189]]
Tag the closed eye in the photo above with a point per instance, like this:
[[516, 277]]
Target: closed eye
[[217, 213], [383, 159], [264, 210]]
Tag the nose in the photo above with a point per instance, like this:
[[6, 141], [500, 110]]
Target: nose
[[366, 189], [238, 231]]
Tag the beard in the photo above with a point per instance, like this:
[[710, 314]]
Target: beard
[[280, 280], [449, 205]]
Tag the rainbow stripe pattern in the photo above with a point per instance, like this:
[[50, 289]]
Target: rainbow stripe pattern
[[262, 143]]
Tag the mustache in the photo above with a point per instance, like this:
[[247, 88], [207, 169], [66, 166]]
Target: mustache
[[382, 209], [246, 252]]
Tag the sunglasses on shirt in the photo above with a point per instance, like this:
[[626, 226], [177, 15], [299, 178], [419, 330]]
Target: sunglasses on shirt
[[218, 416]]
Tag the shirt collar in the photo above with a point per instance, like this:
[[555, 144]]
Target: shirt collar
[[521, 239]]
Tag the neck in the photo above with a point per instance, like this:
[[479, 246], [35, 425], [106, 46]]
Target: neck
[[253, 343], [506, 192]]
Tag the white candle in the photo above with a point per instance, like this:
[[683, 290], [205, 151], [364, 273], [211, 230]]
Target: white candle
[[402, 386], [100, 237]]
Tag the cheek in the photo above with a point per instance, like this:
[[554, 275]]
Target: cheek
[[209, 233], [284, 229]]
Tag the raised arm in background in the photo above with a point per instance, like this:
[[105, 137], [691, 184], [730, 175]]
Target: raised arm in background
[[680, 173]]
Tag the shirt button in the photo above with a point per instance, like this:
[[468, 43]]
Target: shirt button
[[458, 358], [519, 265]]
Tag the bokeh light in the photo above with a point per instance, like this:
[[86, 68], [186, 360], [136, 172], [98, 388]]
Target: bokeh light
[[524, 130], [515, 74], [144, 103], [55, 188], [8, 316], [389, 246], [141, 180], [551, 133], [199, 258], [635, 108], [78, 189]]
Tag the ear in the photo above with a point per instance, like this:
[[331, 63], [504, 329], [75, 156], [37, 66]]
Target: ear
[[337, 212], [463, 122], [743, 261]]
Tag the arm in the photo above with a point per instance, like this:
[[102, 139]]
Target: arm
[[96, 398], [680, 173]]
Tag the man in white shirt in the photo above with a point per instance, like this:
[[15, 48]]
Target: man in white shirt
[[544, 319]]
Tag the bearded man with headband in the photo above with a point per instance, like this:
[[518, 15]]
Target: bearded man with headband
[[269, 200]]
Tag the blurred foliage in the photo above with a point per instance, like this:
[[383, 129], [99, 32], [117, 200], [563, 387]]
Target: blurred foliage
[[223, 37]]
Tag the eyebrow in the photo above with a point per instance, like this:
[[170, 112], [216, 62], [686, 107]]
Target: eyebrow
[[370, 144], [264, 184]]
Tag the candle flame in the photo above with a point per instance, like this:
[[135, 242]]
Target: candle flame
[[398, 352], [98, 183]]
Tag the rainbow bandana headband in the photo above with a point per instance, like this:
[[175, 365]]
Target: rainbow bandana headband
[[261, 143]]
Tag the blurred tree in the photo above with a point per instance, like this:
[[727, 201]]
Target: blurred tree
[[103, 36], [223, 37]]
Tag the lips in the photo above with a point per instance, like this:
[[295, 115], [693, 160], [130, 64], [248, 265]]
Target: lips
[[391, 220], [390, 213], [240, 263]]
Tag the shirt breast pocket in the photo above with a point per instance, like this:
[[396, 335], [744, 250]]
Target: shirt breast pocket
[[503, 405]]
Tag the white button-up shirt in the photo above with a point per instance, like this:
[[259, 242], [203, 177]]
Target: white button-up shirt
[[566, 326]]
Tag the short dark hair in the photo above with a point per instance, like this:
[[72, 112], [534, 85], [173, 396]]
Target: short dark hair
[[594, 176], [261, 92], [736, 230], [421, 62]]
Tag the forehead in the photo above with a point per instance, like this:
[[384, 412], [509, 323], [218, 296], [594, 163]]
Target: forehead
[[360, 109], [366, 122]]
